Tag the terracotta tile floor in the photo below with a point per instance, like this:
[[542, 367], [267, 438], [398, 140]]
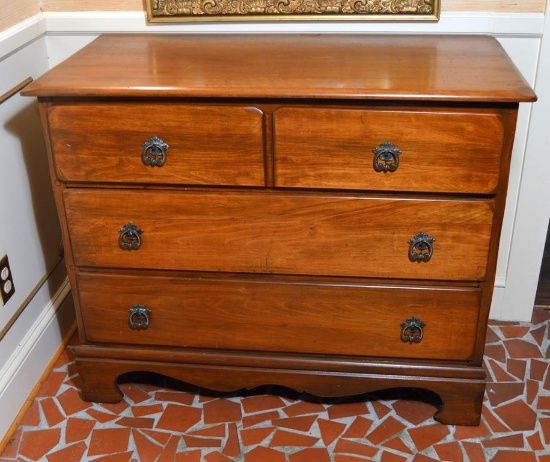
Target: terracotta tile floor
[[166, 421]]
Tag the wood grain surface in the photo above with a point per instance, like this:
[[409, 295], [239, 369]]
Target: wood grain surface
[[448, 68], [280, 233]]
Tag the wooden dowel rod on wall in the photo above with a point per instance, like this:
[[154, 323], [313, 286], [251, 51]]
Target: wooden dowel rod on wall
[[15, 90]]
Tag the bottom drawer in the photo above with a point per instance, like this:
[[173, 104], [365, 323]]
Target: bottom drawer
[[280, 316]]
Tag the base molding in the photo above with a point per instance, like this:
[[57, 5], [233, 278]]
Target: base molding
[[460, 389]]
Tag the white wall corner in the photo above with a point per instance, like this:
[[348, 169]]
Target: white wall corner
[[22, 34]]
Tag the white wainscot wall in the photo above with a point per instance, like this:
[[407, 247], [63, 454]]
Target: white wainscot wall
[[35, 320]]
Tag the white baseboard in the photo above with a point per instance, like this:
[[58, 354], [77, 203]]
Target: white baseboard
[[34, 352]]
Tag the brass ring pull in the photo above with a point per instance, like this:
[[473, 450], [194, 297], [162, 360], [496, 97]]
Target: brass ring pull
[[154, 152], [386, 157], [420, 247], [139, 317], [129, 237], [412, 330]]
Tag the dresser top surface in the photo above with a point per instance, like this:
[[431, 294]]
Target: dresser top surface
[[383, 67]]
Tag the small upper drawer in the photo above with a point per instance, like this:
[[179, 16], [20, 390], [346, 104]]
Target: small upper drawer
[[114, 142], [437, 151]]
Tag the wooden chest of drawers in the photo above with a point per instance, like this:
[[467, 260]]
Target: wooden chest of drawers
[[318, 212]]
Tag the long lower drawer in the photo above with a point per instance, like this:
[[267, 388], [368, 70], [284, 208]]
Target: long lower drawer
[[262, 314], [281, 233]]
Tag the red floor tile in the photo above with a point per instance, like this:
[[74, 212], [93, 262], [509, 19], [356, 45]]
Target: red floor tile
[[545, 427], [428, 435], [474, 451], [517, 415], [179, 418], [302, 423], [303, 408], [499, 393], [254, 436], [359, 428], [398, 445], [222, 410], [505, 455], [286, 438], [254, 419], [175, 397], [140, 411], [518, 348], [514, 440], [255, 404], [73, 452], [355, 448], [218, 430], [109, 441], [449, 452], [169, 452], [146, 448], [391, 457], [337, 411], [261, 454], [78, 429], [32, 417], [217, 457], [414, 412], [52, 385], [196, 442], [71, 402], [232, 446], [330, 430], [389, 427], [37, 443], [535, 442], [517, 367], [135, 393], [189, 456], [310, 455]]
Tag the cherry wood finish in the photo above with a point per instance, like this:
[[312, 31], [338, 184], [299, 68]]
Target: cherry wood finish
[[460, 152], [261, 314], [280, 233], [103, 143], [271, 250]]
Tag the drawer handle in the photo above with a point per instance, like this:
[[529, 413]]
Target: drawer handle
[[129, 237], [386, 157], [154, 152], [420, 247], [412, 330], [139, 317]]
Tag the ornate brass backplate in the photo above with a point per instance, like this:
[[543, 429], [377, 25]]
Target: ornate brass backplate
[[301, 10]]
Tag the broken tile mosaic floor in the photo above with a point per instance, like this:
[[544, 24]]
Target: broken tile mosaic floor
[[160, 420]]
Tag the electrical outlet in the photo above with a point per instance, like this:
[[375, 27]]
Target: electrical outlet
[[7, 289]]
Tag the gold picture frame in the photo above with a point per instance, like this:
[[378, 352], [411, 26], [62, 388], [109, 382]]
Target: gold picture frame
[[286, 10]]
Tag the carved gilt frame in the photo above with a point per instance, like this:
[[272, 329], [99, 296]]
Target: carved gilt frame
[[297, 10]]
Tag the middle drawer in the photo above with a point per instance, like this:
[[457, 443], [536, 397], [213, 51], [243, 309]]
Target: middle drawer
[[280, 233]]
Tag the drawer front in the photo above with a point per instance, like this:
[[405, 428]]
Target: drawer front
[[280, 316], [216, 145], [278, 233], [439, 151]]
